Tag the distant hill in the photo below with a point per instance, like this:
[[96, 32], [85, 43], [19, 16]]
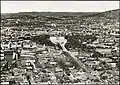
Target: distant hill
[[30, 15], [36, 14], [108, 14], [111, 13], [58, 13]]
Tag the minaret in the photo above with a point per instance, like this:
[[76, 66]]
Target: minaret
[[16, 41], [22, 32], [10, 44]]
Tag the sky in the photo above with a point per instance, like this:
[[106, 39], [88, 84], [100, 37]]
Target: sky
[[58, 6]]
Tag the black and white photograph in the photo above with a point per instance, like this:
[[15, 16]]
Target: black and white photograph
[[60, 42]]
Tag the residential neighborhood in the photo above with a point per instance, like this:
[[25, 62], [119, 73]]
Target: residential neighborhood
[[37, 50]]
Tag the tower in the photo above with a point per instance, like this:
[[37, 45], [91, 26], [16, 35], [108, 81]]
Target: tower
[[8, 53]]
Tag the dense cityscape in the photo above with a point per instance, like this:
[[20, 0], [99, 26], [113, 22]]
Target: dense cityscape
[[60, 49]]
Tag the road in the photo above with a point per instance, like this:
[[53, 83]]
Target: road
[[82, 65], [52, 55]]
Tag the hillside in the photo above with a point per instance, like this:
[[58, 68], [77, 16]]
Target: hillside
[[111, 13], [36, 14], [107, 14], [70, 19]]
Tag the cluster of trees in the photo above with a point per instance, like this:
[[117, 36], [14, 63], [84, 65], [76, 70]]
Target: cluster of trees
[[42, 39], [64, 66], [75, 41]]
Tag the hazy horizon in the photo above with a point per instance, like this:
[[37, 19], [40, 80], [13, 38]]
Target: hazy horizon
[[58, 6], [57, 11]]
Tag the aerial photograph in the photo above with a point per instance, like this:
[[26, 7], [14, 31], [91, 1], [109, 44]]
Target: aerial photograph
[[60, 42]]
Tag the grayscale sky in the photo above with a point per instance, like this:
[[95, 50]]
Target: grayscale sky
[[58, 6]]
